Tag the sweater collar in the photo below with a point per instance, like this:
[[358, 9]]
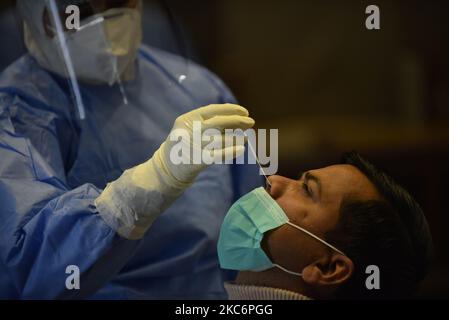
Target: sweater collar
[[251, 292]]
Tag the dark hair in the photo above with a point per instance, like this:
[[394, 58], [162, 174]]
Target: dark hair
[[391, 233]]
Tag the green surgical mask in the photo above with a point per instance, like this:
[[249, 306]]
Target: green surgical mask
[[239, 244]]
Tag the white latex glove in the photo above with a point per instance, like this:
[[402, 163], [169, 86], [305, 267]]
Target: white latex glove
[[130, 204], [219, 117]]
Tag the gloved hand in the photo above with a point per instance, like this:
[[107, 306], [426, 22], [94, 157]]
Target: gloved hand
[[218, 117], [130, 204]]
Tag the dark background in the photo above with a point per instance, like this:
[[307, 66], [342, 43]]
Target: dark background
[[312, 70]]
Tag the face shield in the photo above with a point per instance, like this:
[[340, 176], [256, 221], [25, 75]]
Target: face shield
[[93, 42]]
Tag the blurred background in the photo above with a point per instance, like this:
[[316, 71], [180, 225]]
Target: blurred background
[[312, 70]]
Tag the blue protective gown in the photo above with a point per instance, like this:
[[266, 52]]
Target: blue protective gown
[[53, 166]]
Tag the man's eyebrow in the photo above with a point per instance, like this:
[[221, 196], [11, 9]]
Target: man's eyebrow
[[311, 177]]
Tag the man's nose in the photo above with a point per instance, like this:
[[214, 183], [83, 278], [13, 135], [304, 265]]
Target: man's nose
[[278, 185]]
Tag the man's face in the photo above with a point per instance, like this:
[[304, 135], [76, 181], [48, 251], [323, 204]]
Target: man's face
[[312, 202]]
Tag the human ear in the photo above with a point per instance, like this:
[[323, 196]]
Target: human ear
[[331, 270]]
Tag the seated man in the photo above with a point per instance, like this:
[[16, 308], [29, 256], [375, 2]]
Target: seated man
[[341, 232]]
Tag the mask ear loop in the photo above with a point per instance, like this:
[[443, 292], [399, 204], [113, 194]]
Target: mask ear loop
[[313, 236], [316, 238], [287, 271]]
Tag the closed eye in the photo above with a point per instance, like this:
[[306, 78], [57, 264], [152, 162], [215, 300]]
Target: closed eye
[[306, 189]]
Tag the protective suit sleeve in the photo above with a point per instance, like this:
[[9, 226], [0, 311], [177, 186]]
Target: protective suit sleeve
[[142, 193], [46, 227], [130, 204]]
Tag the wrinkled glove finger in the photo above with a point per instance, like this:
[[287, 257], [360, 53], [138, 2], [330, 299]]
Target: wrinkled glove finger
[[221, 110], [228, 122]]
